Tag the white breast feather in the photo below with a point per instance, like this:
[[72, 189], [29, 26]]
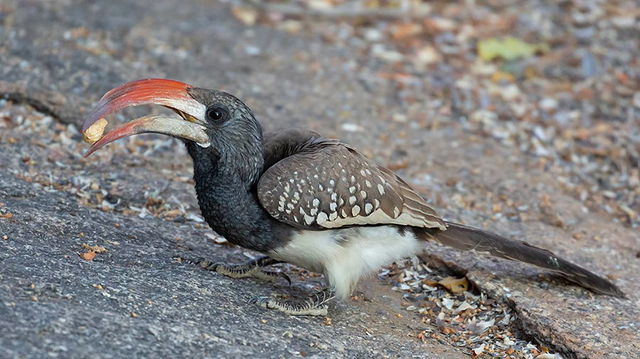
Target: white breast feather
[[346, 255]]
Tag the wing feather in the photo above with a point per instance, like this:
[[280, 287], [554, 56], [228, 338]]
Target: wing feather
[[327, 184]]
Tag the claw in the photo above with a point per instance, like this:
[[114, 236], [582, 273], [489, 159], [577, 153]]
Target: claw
[[285, 276], [261, 301], [207, 265], [196, 261], [269, 276]]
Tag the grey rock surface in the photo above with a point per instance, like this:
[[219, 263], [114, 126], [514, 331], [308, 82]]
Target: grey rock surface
[[52, 306]]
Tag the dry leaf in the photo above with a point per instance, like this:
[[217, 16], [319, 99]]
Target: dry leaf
[[455, 285], [172, 213], [426, 56], [508, 48], [405, 30], [500, 76], [6, 215], [398, 165], [88, 256], [246, 15], [430, 282], [97, 249], [447, 330]]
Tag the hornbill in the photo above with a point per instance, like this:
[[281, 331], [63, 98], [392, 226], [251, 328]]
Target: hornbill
[[301, 198]]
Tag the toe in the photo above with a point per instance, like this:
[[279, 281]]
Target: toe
[[264, 302]]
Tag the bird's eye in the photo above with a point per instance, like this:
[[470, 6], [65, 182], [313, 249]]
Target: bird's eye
[[216, 113]]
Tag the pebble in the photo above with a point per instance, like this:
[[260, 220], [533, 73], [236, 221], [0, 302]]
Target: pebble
[[548, 104], [351, 127]]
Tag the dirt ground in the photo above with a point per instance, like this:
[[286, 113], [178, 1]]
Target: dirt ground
[[518, 117]]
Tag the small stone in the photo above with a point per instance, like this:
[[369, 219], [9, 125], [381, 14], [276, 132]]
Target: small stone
[[546, 356], [385, 54], [351, 127], [636, 99], [623, 22], [548, 104], [373, 35], [398, 117], [245, 15], [426, 56], [511, 92], [447, 303], [479, 350], [291, 26]]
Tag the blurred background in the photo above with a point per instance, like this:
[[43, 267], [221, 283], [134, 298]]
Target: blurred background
[[556, 80]]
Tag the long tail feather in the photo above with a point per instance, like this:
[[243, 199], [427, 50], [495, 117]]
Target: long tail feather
[[467, 238]]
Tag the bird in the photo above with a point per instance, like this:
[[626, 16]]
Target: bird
[[298, 197]]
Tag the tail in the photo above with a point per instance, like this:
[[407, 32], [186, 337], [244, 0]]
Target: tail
[[466, 238]]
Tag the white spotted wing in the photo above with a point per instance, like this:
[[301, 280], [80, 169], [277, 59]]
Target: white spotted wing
[[330, 185]]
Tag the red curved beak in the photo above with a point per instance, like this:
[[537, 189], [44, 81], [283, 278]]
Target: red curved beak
[[168, 93]]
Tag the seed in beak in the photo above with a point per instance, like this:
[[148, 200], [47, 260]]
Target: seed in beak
[[92, 134]]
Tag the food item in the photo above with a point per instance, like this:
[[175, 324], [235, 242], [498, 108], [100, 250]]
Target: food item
[[95, 131]]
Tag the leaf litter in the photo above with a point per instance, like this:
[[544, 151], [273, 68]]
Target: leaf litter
[[486, 327]]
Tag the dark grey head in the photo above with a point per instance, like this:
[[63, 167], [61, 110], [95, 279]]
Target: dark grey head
[[235, 135]]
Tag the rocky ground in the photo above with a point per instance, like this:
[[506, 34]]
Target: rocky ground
[[535, 137]]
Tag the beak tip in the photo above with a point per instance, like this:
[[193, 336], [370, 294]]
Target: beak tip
[[90, 151]]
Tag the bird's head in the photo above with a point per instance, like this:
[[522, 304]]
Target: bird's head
[[210, 122]]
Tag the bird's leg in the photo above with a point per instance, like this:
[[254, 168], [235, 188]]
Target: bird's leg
[[314, 305], [251, 269]]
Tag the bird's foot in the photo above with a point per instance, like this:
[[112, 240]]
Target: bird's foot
[[252, 269], [315, 305]]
